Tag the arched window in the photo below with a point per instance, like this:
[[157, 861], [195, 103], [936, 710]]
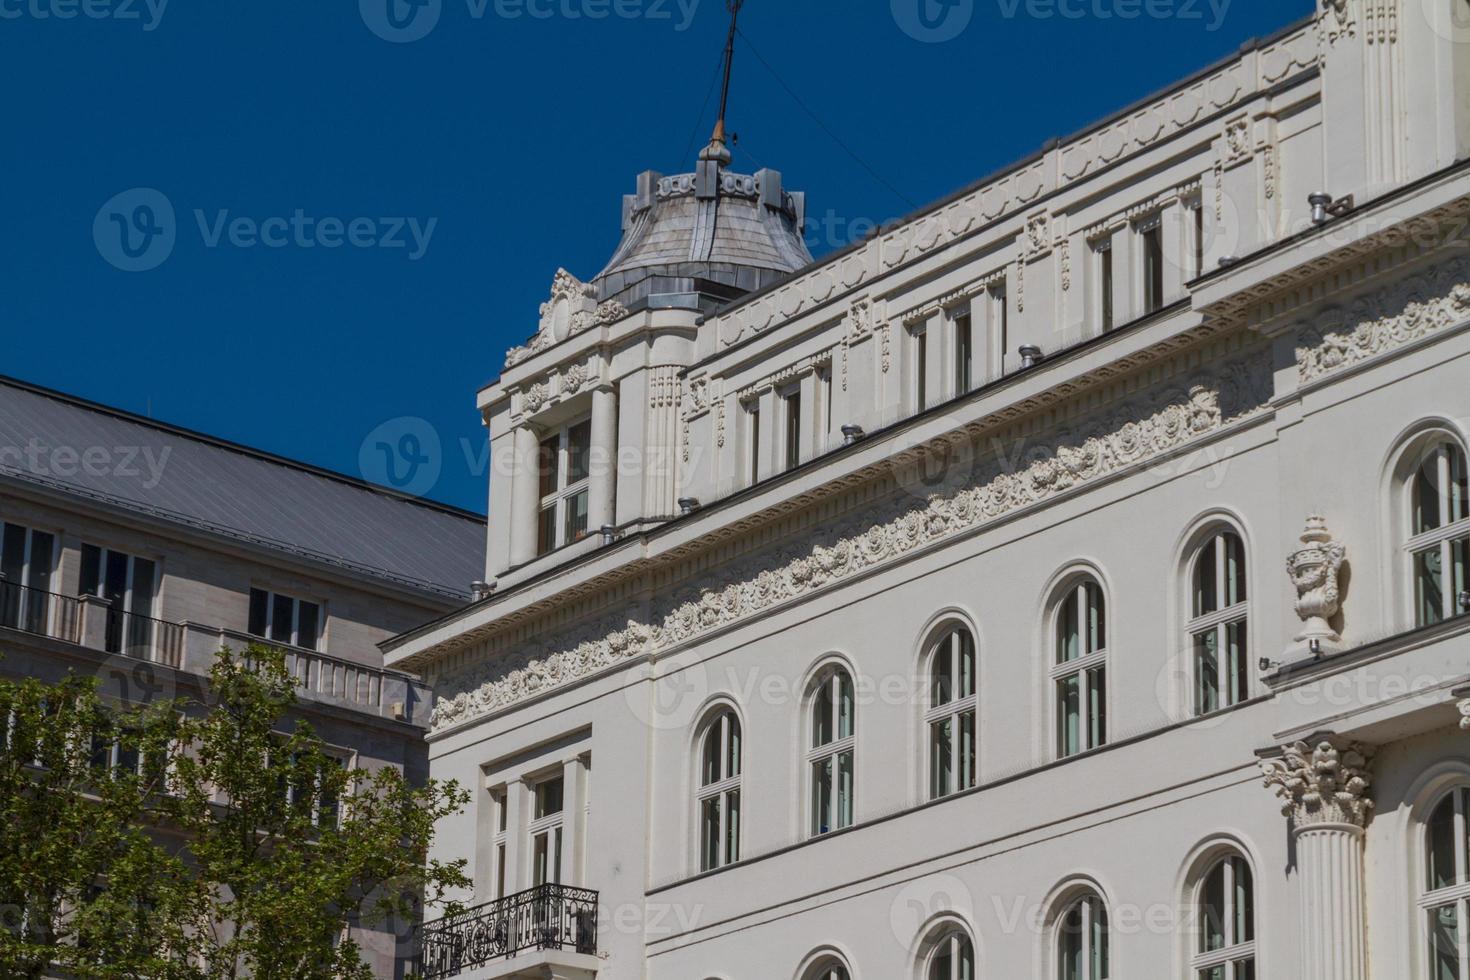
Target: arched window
[[828, 968], [953, 704], [1444, 898], [719, 792], [1082, 940], [953, 958], [1439, 529], [831, 755], [1227, 936], [1080, 668], [1217, 624]]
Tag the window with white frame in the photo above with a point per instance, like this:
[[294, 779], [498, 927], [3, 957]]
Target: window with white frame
[[719, 792], [1102, 263], [1079, 672], [953, 958], [1227, 925], [753, 441], [1445, 898], [546, 831], [1197, 236], [830, 760], [130, 586], [1151, 259], [1082, 940], [285, 619], [28, 560], [919, 343], [1439, 527], [964, 349], [500, 840], [564, 464], [952, 713], [791, 418], [309, 783], [1217, 624]]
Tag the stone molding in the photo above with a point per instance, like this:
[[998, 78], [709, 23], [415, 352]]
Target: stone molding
[[1075, 453], [1384, 319], [572, 309], [1325, 783]]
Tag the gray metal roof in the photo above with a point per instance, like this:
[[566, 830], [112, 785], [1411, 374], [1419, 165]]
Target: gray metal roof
[[212, 485]]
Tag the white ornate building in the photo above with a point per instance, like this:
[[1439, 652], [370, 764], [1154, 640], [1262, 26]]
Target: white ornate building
[[938, 609]]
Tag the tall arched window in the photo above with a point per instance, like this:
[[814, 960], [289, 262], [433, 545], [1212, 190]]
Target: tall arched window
[[1080, 668], [953, 958], [1082, 940], [830, 968], [830, 758], [1227, 936], [719, 792], [953, 705], [1439, 528], [1217, 625], [1444, 898]]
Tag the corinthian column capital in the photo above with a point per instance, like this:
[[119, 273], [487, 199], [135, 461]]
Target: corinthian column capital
[[1323, 782]]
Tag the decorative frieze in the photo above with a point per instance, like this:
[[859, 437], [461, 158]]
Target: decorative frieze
[[1314, 570], [1325, 783], [1336, 21], [1078, 452], [1390, 317]]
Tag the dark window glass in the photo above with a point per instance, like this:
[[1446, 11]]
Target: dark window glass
[[1105, 277], [308, 624], [281, 618], [259, 603], [793, 431], [547, 460], [579, 444], [1153, 269], [963, 350], [91, 569], [921, 359]]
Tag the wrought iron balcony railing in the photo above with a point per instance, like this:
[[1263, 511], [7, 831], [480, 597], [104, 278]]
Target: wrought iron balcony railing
[[43, 613], [543, 918]]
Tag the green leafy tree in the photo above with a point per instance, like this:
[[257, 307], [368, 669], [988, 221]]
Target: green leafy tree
[[207, 841]]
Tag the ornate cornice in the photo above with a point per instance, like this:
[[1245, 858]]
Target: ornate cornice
[[1325, 784], [1384, 319], [910, 516], [572, 309]]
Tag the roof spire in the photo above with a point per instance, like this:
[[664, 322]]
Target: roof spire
[[717, 149]]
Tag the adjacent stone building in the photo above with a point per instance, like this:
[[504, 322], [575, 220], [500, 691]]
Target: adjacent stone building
[[133, 551], [939, 609]]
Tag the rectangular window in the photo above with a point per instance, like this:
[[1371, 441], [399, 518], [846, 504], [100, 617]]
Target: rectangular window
[[921, 370], [564, 463], [546, 831], [1000, 319], [28, 562], [1105, 285], [753, 442], [792, 407], [285, 619], [824, 404], [1199, 240], [130, 586], [1152, 239], [963, 353]]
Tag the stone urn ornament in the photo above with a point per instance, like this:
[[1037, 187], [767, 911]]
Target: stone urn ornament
[[1314, 570]]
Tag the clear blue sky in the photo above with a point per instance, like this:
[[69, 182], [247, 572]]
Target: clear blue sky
[[515, 135]]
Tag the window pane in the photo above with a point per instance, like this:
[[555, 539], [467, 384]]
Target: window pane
[[1237, 663], [967, 751], [822, 731], [259, 605], [1099, 941], [1206, 585], [308, 629], [793, 431], [845, 788], [1097, 706], [821, 796], [546, 531], [1429, 586], [967, 664], [145, 580], [846, 712], [1460, 565], [941, 761], [732, 759], [944, 681], [548, 459], [962, 353], [1426, 495], [1105, 273], [115, 577], [91, 570], [921, 369], [576, 517], [943, 965], [1245, 903], [1234, 569], [732, 827], [1069, 715], [1071, 946], [711, 767], [1212, 910], [710, 834], [1153, 269], [579, 445], [1206, 672], [1459, 489], [548, 798], [1444, 943], [1069, 637], [1441, 842], [1097, 624], [38, 575], [281, 609]]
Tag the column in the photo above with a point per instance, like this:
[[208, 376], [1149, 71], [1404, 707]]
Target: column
[[525, 502], [600, 508], [1324, 790], [517, 818]]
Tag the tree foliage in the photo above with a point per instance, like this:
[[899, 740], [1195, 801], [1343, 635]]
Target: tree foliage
[[188, 841]]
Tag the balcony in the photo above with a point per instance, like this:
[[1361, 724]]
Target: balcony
[[520, 935]]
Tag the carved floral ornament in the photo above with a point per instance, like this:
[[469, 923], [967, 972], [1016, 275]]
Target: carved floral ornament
[[571, 310], [1077, 453], [1327, 783], [1390, 317]]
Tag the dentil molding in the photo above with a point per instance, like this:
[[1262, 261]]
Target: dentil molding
[[915, 515], [1328, 783]]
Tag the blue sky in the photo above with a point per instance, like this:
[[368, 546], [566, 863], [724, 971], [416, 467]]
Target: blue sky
[[361, 226]]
